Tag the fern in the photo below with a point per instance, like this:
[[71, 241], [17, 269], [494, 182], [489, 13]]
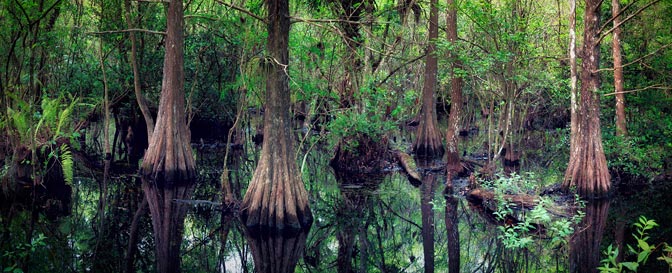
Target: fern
[[67, 163]]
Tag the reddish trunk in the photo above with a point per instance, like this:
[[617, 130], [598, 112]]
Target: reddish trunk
[[584, 249], [621, 128], [276, 198], [587, 168], [168, 158], [428, 138], [453, 154]]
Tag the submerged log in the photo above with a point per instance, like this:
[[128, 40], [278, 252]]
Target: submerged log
[[408, 164], [523, 201]]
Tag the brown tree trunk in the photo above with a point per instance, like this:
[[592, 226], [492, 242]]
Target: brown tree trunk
[[587, 168], [142, 103], [276, 197], [168, 168], [574, 104], [428, 137], [453, 154], [169, 158], [621, 129]]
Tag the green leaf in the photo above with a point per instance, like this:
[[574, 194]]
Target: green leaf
[[630, 265], [641, 258]]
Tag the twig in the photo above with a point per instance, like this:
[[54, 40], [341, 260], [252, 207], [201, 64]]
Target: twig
[[249, 13], [127, 30], [638, 59], [604, 34], [655, 86]]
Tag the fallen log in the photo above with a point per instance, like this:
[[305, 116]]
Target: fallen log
[[523, 201], [408, 164]]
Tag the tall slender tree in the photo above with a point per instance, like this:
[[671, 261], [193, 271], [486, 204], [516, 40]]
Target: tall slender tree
[[621, 128], [587, 168], [168, 168], [452, 140], [276, 198], [428, 138]]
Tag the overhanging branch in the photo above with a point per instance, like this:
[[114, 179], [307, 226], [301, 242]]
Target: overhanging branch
[[127, 30]]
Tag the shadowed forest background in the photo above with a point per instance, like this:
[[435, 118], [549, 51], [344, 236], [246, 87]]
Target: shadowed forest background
[[335, 136]]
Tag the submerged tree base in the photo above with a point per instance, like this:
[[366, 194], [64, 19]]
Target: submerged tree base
[[362, 154]]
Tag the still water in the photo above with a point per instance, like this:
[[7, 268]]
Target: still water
[[363, 223]]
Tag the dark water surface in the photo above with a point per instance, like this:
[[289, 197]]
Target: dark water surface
[[363, 223]]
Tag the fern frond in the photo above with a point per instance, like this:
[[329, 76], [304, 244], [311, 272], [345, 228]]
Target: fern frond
[[67, 164]]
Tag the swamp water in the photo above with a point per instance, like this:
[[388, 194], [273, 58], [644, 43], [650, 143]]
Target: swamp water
[[376, 223]]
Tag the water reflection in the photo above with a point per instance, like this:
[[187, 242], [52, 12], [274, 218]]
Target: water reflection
[[584, 253], [275, 252], [353, 216], [168, 210], [427, 209], [452, 230]]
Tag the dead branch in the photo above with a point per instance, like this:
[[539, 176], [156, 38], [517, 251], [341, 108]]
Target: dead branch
[[247, 12]]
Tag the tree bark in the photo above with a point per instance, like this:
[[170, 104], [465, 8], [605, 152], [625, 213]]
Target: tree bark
[[428, 137], [276, 197], [168, 158], [621, 129], [453, 154], [587, 169], [574, 105]]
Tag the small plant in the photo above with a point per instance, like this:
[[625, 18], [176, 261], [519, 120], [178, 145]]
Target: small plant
[[643, 250], [22, 251]]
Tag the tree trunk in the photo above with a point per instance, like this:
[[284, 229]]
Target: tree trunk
[[168, 158], [168, 169], [142, 103], [428, 137], [621, 129], [276, 197], [453, 154], [574, 104], [587, 168]]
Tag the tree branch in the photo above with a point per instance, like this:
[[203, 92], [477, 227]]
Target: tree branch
[[249, 13], [604, 34], [655, 86], [638, 59], [399, 67], [126, 30]]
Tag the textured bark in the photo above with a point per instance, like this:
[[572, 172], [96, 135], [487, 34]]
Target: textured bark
[[168, 158], [428, 137], [584, 249], [574, 104], [452, 141], [142, 103], [621, 128], [587, 169], [276, 197]]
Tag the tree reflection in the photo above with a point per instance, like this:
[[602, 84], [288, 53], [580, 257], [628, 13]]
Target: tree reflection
[[352, 218], [452, 229], [584, 252], [168, 215], [276, 252]]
